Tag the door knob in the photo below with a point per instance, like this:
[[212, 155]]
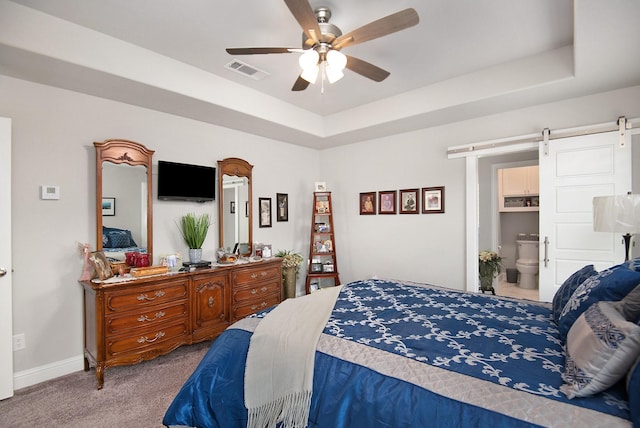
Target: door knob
[[3, 272]]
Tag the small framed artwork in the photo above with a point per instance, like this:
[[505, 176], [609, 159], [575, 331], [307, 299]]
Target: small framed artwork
[[321, 186], [387, 202], [232, 207], [367, 203], [101, 266], [409, 201], [108, 206], [265, 212], [432, 200], [282, 199], [246, 209]]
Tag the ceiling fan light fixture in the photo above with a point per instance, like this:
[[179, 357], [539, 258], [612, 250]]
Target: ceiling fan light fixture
[[309, 59], [333, 74], [310, 74], [336, 60]]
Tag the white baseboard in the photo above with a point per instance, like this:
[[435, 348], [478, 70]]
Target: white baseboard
[[47, 372]]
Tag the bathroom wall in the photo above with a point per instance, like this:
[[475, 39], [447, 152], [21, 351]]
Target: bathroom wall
[[511, 224]]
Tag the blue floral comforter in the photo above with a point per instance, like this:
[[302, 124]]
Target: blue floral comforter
[[398, 354]]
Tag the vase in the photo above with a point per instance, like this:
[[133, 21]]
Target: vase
[[195, 255], [289, 282], [486, 283]]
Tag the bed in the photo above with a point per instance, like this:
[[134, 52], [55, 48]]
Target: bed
[[402, 354]]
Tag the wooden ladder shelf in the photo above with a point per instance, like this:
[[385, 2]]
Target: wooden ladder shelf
[[322, 266]]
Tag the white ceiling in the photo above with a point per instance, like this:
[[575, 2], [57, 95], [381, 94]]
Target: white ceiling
[[464, 59]]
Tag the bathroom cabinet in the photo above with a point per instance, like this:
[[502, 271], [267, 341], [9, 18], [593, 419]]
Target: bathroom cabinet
[[519, 189]]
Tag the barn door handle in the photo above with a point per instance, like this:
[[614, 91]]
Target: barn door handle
[[546, 251]]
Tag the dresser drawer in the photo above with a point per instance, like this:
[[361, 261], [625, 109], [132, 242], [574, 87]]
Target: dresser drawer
[[256, 291], [152, 337], [247, 277], [242, 310], [145, 316], [136, 298]]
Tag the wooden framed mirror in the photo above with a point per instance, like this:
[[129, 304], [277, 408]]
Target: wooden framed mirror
[[235, 221], [124, 209]]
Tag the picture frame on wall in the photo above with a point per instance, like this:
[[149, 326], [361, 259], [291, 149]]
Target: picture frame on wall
[[368, 203], [232, 207], [387, 202], [409, 201], [433, 200], [246, 208], [282, 199], [108, 206], [265, 212]]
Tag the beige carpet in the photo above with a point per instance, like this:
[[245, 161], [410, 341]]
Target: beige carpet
[[133, 396]]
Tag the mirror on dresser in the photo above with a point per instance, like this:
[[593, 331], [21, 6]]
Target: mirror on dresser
[[124, 210], [234, 205]]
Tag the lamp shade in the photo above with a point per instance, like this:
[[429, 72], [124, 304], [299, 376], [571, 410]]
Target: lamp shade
[[308, 59], [336, 60], [620, 213]]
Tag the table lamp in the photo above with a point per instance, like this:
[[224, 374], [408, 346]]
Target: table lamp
[[619, 213]]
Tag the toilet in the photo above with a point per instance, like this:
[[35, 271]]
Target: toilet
[[527, 264]]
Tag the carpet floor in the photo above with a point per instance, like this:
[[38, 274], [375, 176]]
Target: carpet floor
[[132, 396]]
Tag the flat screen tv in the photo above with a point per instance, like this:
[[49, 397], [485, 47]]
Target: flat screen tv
[[185, 182]]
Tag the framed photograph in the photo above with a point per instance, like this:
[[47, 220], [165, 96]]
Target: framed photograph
[[246, 209], [265, 212], [368, 203], [101, 265], [232, 207], [387, 202], [282, 199], [108, 206], [432, 200], [409, 201], [320, 186]]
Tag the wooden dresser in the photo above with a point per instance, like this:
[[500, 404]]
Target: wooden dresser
[[133, 321]]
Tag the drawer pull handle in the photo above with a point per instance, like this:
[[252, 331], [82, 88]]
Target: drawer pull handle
[[264, 289], [145, 339], [144, 318], [254, 291], [260, 306], [254, 275], [211, 302], [144, 296]]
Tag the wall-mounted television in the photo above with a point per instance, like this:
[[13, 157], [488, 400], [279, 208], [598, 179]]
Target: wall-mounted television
[[186, 182]]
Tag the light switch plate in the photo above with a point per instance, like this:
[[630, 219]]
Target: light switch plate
[[49, 192]]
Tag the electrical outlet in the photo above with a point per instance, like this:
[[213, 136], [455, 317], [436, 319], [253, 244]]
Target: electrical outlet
[[19, 342]]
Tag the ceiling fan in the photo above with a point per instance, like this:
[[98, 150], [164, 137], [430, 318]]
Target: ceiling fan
[[322, 42]]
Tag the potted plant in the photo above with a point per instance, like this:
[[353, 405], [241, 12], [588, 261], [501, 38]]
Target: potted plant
[[291, 262], [489, 266], [194, 230]]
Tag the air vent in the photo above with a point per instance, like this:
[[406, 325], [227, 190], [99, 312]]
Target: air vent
[[246, 70]]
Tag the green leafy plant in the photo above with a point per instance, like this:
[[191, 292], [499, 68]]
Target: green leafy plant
[[194, 229]]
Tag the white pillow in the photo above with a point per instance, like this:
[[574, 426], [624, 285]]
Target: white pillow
[[601, 347]]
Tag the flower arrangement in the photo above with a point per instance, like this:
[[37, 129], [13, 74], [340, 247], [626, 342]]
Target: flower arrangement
[[490, 264], [194, 229], [290, 259]]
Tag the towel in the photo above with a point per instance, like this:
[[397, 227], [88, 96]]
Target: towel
[[279, 372]]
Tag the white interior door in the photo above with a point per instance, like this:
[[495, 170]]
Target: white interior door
[[6, 328], [572, 171]]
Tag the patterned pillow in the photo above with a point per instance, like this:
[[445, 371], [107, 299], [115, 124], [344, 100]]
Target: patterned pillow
[[568, 287], [117, 238], [629, 307], [609, 285], [633, 391], [601, 346], [633, 264]]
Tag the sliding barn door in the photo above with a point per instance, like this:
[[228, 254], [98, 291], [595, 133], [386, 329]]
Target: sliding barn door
[[572, 171]]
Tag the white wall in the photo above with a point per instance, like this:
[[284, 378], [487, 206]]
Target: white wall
[[53, 131], [53, 135]]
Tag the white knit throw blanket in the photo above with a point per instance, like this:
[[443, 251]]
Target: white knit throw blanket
[[279, 374]]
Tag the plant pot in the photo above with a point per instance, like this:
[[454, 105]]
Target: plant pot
[[289, 282], [195, 255], [486, 284]]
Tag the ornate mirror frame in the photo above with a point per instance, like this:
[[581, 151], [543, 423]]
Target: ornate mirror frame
[[129, 153], [239, 168]]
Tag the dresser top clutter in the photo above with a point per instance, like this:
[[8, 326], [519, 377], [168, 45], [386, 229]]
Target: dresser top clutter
[[133, 314]]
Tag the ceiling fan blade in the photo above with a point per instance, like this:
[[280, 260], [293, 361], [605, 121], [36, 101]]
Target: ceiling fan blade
[[306, 17], [381, 27], [254, 51], [366, 69], [300, 84]]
